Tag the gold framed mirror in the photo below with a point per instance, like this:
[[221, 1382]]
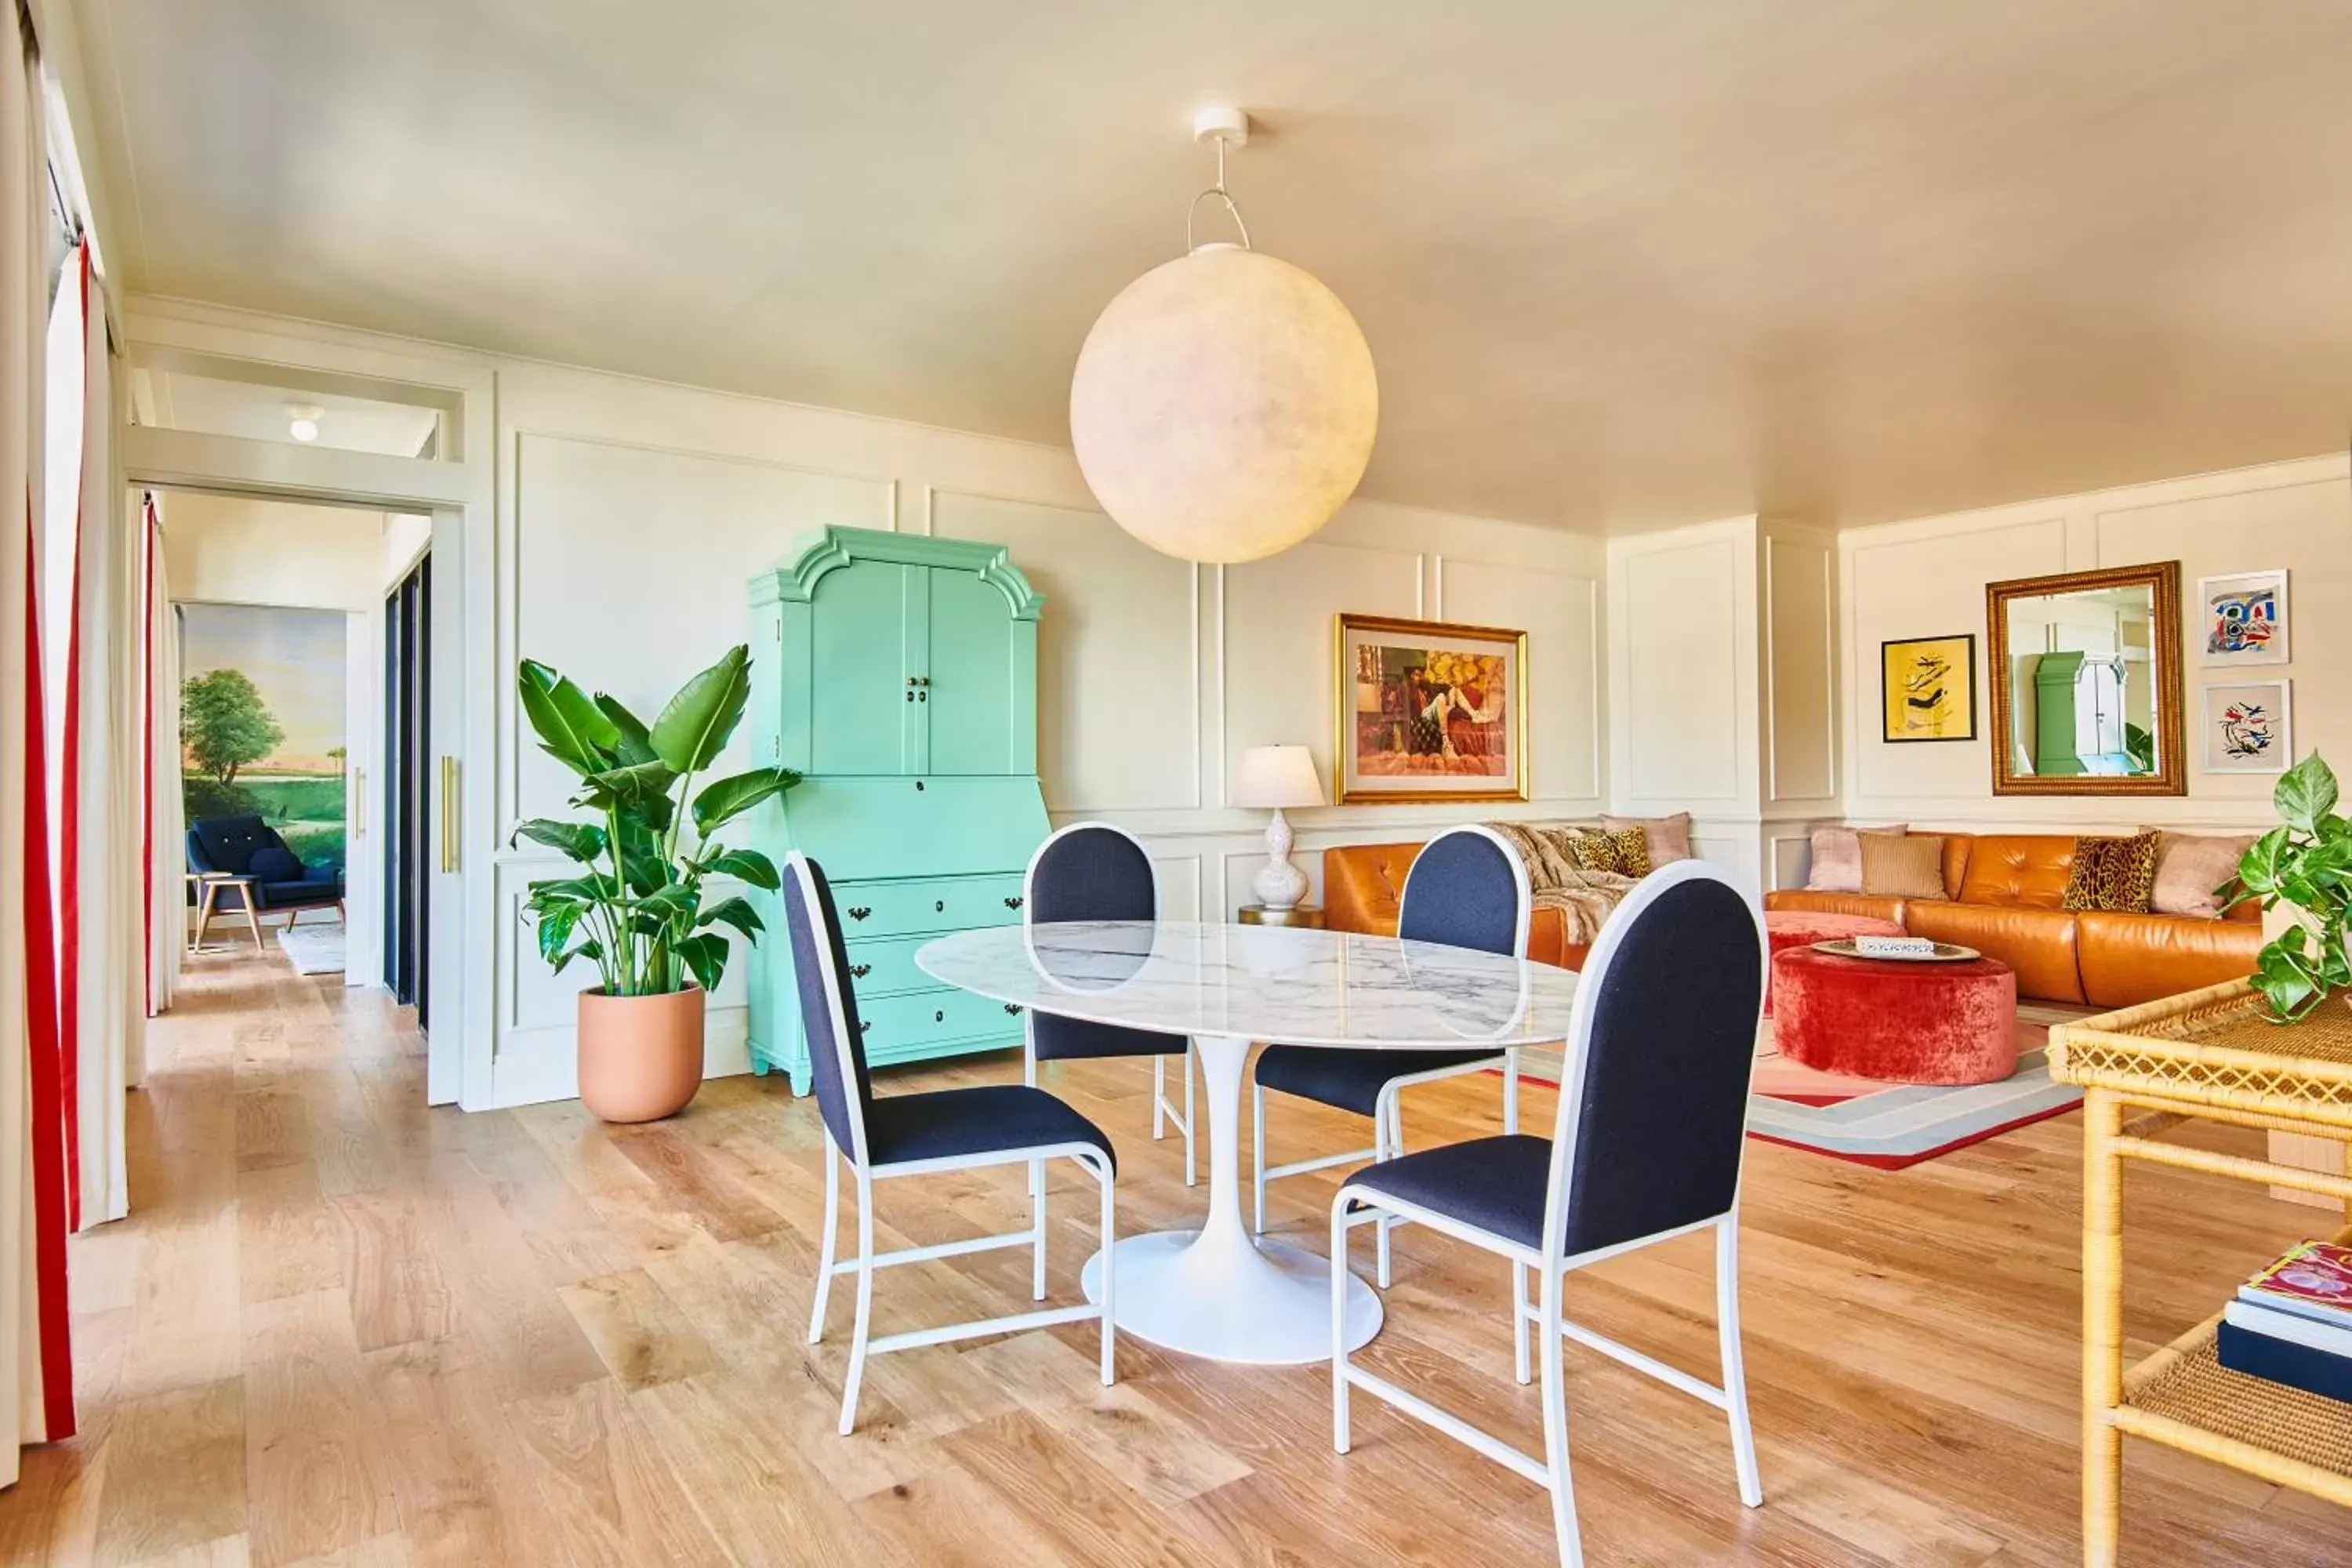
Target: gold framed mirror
[[2085, 672]]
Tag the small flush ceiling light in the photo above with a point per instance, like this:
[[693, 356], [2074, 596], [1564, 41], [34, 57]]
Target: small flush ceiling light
[[302, 420], [1224, 403]]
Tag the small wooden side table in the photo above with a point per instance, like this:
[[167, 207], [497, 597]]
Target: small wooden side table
[[1309, 916], [208, 885], [2208, 1054]]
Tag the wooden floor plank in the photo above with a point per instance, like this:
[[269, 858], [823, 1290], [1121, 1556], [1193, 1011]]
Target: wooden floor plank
[[342, 1329]]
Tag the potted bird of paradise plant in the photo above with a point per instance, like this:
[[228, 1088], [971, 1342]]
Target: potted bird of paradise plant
[[636, 910]]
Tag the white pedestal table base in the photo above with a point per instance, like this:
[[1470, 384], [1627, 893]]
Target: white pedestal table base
[[1218, 1291]]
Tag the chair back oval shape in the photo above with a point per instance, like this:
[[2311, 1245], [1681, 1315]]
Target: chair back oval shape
[[1090, 871], [1467, 887], [1661, 1053], [828, 1001]]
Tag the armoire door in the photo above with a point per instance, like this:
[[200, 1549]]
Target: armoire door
[[863, 719], [969, 664]]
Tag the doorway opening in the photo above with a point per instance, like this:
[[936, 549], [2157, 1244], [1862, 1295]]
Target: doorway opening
[[407, 746]]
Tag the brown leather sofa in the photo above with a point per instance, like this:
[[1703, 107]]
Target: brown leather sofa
[[2004, 894], [1362, 882]]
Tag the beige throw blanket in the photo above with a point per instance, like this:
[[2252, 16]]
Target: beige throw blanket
[[1585, 898]]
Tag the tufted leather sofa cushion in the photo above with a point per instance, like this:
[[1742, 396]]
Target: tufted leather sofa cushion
[[2129, 959], [2016, 870], [2037, 943]]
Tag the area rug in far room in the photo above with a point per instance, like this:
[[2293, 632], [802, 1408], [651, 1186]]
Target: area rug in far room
[[1891, 1125], [314, 949]]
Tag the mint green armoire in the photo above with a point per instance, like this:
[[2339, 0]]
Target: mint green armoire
[[899, 674]]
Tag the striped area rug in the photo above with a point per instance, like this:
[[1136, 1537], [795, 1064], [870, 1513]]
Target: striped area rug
[[1891, 1125]]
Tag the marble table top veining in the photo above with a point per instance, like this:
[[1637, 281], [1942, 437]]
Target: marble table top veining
[[1262, 982]]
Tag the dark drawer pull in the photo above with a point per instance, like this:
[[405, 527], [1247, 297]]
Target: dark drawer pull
[[1012, 1006], [938, 1018], [939, 906], [860, 971], [1014, 902], [862, 1026], [860, 911]]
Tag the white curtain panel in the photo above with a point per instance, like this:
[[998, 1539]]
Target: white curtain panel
[[36, 1367], [111, 971], [167, 934]]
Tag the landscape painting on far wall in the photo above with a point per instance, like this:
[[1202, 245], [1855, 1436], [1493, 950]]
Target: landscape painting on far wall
[[1927, 689], [1429, 710], [262, 722]]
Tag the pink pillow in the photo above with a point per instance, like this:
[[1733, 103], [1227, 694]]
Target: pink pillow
[[1837, 858], [2189, 867]]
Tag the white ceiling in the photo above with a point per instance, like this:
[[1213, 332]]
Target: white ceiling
[[1622, 265]]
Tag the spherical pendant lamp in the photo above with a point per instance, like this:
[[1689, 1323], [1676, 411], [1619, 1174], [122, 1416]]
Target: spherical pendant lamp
[[1224, 403]]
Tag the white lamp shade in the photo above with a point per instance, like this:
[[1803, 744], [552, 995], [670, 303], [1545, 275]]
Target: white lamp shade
[[1223, 406], [1277, 776]]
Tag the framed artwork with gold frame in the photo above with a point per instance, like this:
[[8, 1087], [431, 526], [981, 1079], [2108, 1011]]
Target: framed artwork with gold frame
[[1927, 689], [1428, 710]]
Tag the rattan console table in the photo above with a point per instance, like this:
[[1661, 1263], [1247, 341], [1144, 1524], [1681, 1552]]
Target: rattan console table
[[2206, 1055]]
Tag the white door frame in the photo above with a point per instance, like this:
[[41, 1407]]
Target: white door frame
[[459, 492]]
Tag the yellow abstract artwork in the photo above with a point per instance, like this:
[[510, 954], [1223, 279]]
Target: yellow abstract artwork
[[1929, 687]]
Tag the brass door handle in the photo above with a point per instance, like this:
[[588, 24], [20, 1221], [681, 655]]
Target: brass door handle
[[359, 802], [452, 795]]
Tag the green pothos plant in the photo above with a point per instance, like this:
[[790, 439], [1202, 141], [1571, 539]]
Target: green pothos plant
[[2306, 863], [636, 910]]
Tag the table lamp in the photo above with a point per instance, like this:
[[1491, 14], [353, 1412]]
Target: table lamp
[[1278, 776]]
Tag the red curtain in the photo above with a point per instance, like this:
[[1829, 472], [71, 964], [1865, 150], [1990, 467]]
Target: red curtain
[[51, 1109]]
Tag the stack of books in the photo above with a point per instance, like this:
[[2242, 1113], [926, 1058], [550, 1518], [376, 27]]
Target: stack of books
[[2291, 1323]]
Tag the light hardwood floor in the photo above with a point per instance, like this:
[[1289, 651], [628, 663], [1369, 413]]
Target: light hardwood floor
[[341, 1328]]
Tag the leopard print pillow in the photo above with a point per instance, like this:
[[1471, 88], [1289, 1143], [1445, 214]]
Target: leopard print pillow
[[2116, 875], [1626, 853]]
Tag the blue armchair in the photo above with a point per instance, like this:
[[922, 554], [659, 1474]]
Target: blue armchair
[[249, 848]]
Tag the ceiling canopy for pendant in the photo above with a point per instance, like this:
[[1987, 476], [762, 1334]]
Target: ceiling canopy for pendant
[[1224, 403]]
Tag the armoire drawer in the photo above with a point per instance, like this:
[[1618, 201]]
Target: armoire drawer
[[946, 903], [918, 1017], [882, 966]]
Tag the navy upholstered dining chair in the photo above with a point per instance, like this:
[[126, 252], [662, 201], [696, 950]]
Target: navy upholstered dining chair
[[920, 1134], [1648, 1146], [1467, 887], [1094, 871]]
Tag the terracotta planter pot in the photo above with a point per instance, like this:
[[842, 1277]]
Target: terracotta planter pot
[[640, 1057]]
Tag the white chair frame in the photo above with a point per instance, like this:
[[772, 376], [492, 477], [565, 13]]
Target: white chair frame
[[861, 1344], [1388, 1111], [1162, 1112], [1551, 1471]]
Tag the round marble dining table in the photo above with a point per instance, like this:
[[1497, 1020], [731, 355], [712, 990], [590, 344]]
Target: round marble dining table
[[1216, 1290]]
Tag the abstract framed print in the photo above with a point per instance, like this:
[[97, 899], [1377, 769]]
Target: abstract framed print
[[2241, 619], [1428, 710], [1927, 689], [2248, 727]]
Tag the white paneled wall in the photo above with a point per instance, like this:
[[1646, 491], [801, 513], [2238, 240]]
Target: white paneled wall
[[1927, 578], [633, 517]]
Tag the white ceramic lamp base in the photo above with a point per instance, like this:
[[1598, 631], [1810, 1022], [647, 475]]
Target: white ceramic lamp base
[[1279, 885]]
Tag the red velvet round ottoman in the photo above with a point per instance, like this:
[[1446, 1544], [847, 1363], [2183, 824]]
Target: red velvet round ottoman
[[1786, 929], [1903, 1022]]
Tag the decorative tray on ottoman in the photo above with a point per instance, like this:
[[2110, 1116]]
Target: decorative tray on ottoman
[[1945, 953]]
